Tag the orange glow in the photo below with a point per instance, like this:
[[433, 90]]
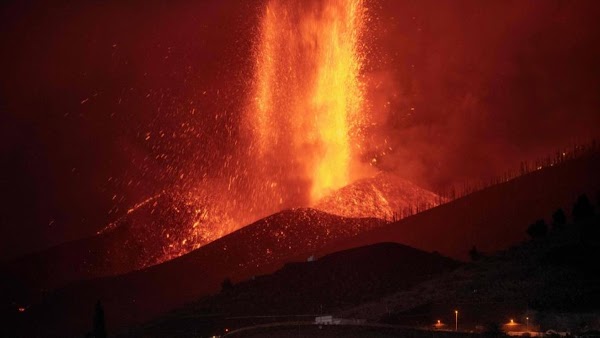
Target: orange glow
[[301, 132], [306, 115]]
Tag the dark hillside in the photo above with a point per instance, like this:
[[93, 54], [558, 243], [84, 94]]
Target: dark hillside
[[257, 249], [553, 280], [331, 283], [491, 219]]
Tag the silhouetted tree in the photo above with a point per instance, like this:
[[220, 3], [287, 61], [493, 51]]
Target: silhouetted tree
[[559, 219], [582, 209], [226, 284], [537, 229], [475, 254], [99, 325]]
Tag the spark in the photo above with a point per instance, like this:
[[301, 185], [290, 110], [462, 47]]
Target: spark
[[308, 100]]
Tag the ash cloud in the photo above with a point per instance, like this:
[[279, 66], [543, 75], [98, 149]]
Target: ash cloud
[[466, 89]]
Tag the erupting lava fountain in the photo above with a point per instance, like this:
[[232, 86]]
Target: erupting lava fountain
[[301, 135], [306, 114]]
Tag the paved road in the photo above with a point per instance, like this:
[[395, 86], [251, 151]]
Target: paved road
[[309, 329]]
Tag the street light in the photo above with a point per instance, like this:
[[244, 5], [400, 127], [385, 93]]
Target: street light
[[455, 320], [527, 323]]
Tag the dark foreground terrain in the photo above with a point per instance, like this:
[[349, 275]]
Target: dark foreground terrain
[[352, 331], [552, 279], [549, 281], [491, 219], [138, 296], [299, 291]]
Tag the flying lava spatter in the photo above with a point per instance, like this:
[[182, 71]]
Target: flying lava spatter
[[306, 112], [301, 133]]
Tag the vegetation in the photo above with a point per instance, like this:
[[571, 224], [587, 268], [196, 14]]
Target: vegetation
[[226, 285], [560, 156], [99, 326], [582, 209], [474, 254], [583, 212], [552, 279], [559, 219], [538, 229]]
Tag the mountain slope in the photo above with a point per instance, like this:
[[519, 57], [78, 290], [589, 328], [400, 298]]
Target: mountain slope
[[259, 248], [152, 232], [552, 280], [493, 218], [333, 282], [382, 196], [169, 225]]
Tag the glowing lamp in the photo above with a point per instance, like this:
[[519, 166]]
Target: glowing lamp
[[455, 320]]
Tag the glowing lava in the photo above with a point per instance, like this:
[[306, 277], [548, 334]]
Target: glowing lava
[[307, 113], [300, 137]]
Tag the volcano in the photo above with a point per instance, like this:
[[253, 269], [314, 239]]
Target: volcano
[[259, 248], [491, 219], [384, 196], [160, 228], [169, 225]]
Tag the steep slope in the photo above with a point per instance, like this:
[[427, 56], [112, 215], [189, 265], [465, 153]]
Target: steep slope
[[551, 280], [335, 281], [161, 228], [383, 196], [171, 224], [493, 218], [259, 248]]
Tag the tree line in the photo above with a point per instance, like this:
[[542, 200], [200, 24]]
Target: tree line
[[560, 156]]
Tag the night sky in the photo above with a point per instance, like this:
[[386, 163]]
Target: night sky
[[104, 104]]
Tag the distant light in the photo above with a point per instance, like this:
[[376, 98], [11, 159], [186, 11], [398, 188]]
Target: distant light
[[226, 330], [21, 309], [439, 322]]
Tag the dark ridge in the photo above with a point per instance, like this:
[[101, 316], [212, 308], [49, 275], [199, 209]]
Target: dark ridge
[[259, 248], [335, 281], [491, 219]]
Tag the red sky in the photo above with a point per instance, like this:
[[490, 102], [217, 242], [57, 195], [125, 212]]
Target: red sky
[[459, 89]]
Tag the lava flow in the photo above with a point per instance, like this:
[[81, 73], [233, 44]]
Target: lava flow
[[306, 115]]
